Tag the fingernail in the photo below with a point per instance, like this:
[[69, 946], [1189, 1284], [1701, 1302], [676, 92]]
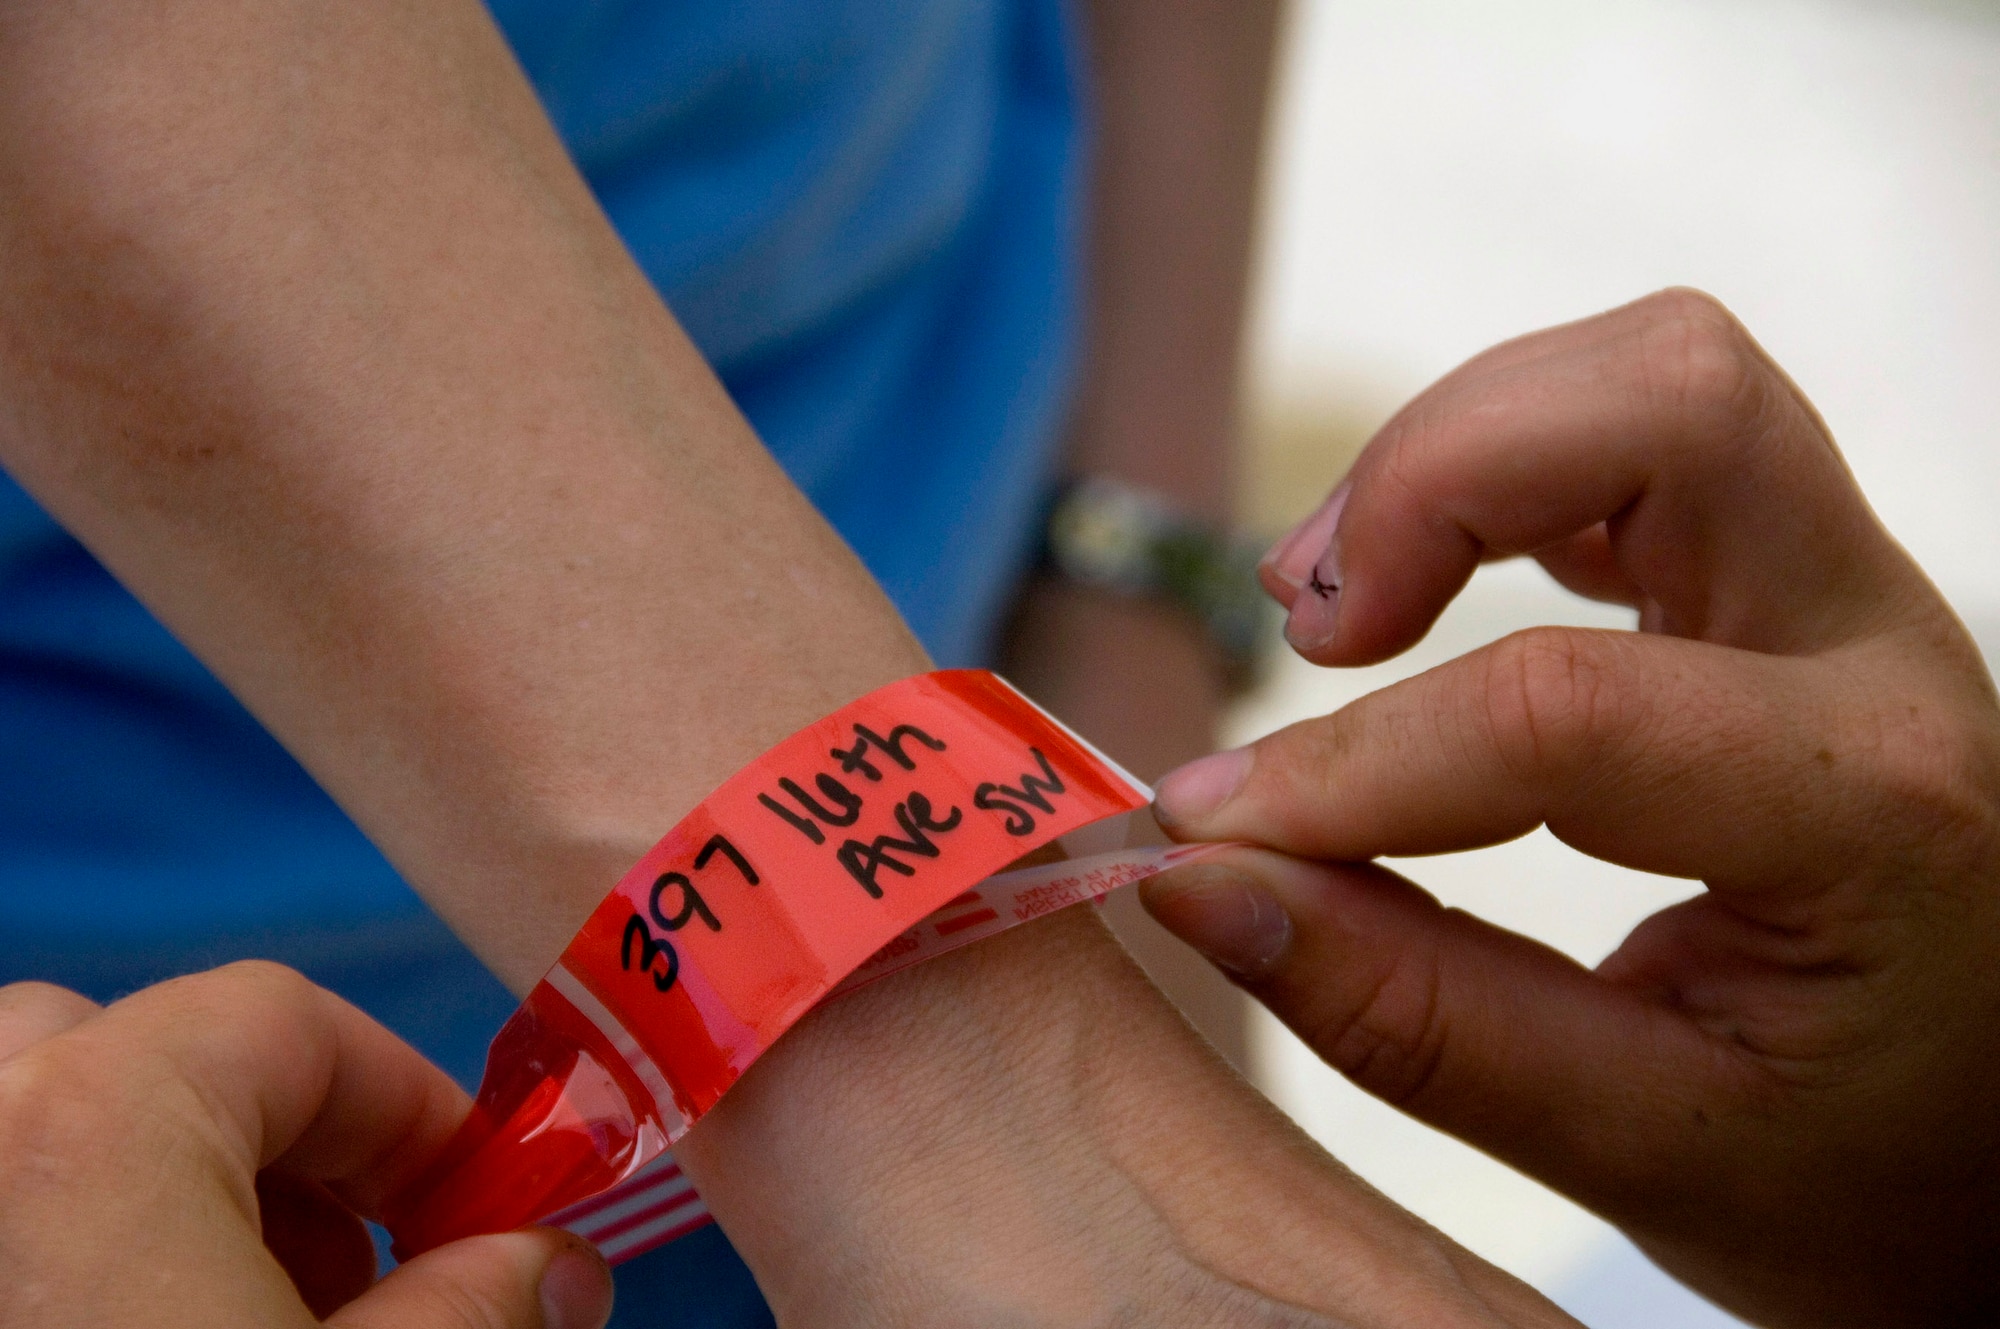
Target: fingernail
[[1316, 612], [1291, 559], [1190, 792], [1226, 915], [576, 1291]]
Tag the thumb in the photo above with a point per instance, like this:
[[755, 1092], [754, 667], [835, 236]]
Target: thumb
[[1480, 1032], [537, 1278], [1749, 772]]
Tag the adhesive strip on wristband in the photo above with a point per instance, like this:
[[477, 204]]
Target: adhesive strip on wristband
[[792, 876]]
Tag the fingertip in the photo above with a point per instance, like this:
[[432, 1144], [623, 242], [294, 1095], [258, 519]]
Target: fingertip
[[1195, 791], [1229, 915], [576, 1291], [1313, 624], [534, 1278], [1374, 614], [1288, 568], [1273, 581]]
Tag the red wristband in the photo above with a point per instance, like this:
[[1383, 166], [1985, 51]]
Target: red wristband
[[816, 862]]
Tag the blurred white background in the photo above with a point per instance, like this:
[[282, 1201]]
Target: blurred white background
[[1448, 173]]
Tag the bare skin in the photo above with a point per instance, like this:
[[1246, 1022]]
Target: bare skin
[[1179, 112], [1783, 1089], [310, 331]]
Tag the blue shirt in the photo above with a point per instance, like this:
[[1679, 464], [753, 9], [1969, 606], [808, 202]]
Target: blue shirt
[[864, 213]]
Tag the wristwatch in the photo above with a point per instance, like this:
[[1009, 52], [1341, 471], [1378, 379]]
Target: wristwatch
[[1112, 536]]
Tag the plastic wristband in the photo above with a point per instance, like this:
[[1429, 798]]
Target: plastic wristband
[[860, 845]]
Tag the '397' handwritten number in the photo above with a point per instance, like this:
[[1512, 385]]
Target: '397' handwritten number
[[674, 903]]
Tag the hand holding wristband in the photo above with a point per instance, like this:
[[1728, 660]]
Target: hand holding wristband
[[862, 844]]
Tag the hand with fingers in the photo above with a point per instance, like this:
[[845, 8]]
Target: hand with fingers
[[197, 1155], [1786, 1089]]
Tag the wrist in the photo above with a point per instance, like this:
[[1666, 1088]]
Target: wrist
[[1076, 650], [904, 1136], [1023, 1131], [906, 1154], [1142, 545]]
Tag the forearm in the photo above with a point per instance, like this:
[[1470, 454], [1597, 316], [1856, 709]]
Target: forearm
[[1179, 95], [1064, 1153], [314, 336]]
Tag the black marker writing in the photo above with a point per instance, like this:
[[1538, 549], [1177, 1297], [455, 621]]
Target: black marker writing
[[692, 906], [844, 798], [649, 950], [719, 844], [918, 820], [855, 759], [1015, 802]]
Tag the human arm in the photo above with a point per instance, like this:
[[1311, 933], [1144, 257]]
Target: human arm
[[311, 332], [1178, 97], [1783, 1089], [199, 1154]]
